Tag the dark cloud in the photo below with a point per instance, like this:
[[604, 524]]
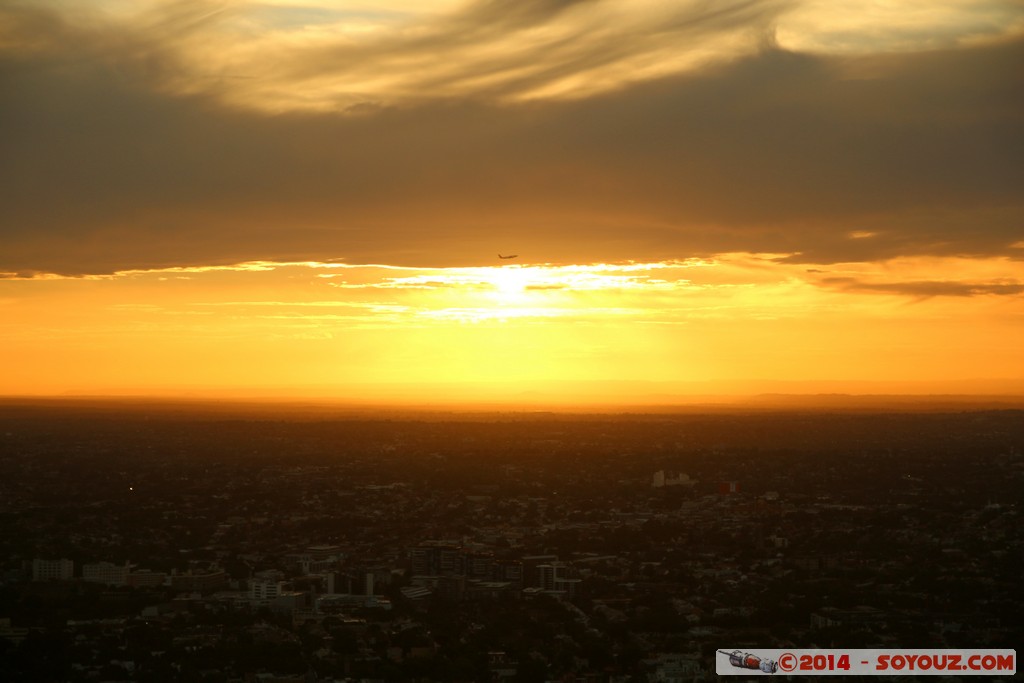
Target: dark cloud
[[928, 288], [101, 168]]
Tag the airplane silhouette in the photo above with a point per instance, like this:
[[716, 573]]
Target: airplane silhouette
[[509, 256]]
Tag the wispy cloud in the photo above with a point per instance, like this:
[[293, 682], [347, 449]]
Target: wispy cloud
[[316, 56], [928, 288], [573, 132]]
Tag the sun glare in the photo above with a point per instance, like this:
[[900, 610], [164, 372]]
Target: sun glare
[[330, 324], [510, 284]]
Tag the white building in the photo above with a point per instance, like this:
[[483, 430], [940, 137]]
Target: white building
[[146, 579], [662, 478], [265, 589], [44, 570]]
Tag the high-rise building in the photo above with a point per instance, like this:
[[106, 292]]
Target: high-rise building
[[431, 559], [531, 564], [509, 570], [546, 576], [477, 565]]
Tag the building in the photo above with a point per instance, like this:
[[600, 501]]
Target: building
[[265, 589], [342, 603], [288, 602], [308, 564], [106, 573], [477, 565], [662, 478], [509, 570], [550, 574], [200, 583], [45, 570], [531, 574], [431, 559], [555, 577], [146, 579], [325, 552]]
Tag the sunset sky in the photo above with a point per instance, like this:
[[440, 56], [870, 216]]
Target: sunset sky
[[308, 198]]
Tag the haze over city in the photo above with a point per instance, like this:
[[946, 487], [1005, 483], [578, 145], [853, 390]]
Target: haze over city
[[308, 199]]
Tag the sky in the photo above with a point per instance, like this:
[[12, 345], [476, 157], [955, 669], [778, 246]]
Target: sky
[[308, 198]]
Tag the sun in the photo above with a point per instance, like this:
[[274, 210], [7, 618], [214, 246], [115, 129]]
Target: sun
[[510, 284]]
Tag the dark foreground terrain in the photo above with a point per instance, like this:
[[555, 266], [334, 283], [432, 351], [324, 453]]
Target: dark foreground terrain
[[147, 543]]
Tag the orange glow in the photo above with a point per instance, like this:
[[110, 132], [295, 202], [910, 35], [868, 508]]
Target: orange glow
[[355, 332], [305, 198]]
